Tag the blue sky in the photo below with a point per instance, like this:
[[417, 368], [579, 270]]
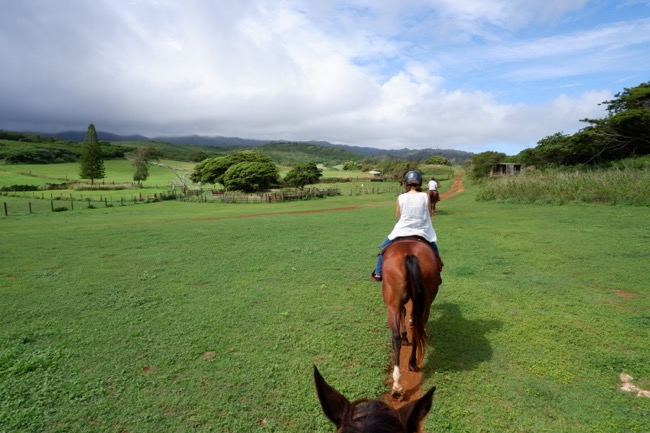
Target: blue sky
[[471, 75]]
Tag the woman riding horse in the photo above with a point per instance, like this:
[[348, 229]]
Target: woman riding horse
[[414, 218], [434, 196], [409, 266]]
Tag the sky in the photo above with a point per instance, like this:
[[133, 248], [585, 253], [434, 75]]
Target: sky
[[470, 75]]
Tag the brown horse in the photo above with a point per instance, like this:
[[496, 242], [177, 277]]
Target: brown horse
[[434, 197], [411, 272], [370, 416]]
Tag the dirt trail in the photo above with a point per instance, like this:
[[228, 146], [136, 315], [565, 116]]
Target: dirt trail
[[411, 380]]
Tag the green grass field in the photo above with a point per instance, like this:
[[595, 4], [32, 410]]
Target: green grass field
[[207, 317], [117, 189]]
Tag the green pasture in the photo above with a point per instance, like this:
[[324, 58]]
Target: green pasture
[[117, 189], [117, 172], [186, 317]]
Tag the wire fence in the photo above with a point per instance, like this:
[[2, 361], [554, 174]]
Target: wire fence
[[30, 202], [17, 203], [39, 201]]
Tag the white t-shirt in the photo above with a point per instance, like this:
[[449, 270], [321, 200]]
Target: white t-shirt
[[414, 217], [433, 185]]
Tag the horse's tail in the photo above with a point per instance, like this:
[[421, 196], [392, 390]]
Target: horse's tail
[[418, 296]]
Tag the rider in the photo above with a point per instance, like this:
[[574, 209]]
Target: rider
[[433, 185], [414, 218], [434, 196]]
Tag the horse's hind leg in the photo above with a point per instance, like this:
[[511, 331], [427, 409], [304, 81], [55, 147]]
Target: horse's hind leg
[[393, 322], [413, 363], [402, 326]]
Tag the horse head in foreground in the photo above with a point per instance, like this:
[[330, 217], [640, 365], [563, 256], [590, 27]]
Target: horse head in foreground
[[370, 416]]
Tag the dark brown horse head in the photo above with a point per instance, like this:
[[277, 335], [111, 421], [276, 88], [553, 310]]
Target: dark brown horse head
[[370, 416]]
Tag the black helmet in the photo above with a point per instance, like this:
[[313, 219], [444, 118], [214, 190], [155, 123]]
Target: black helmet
[[413, 178]]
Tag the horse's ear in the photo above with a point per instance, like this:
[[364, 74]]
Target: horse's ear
[[413, 413], [334, 404]]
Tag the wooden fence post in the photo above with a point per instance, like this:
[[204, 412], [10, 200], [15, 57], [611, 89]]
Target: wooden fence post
[[6, 213], [30, 207]]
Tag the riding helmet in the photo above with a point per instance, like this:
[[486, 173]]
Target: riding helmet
[[413, 178]]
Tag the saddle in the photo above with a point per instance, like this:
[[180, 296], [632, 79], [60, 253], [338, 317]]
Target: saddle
[[414, 239], [406, 239]]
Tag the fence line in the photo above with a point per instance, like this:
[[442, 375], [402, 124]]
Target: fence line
[[48, 201], [61, 202]]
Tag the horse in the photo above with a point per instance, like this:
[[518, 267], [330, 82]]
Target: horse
[[411, 272], [434, 197], [370, 416]]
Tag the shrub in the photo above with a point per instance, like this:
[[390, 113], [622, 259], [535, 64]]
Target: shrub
[[614, 186], [19, 188]]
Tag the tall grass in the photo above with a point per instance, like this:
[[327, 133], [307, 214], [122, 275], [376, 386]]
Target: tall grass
[[613, 186]]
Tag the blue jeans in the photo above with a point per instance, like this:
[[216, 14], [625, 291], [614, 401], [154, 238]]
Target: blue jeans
[[380, 257]]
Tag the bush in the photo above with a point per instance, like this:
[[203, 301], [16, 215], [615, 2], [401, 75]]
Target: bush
[[613, 186], [19, 188]]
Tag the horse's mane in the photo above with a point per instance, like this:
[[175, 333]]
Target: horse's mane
[[372, 416]]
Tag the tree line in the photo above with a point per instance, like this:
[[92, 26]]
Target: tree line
[[623, 133]]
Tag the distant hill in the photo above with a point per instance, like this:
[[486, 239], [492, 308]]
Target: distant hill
[[198, 140], [221, 143], [78, 136]]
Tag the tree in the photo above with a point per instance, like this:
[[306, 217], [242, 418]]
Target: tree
[[437, 160], [626, 129], [351, 165], [625, 132], [251, 176], [198, 156], [303, 174], [394, 169], [91, 162], [212, 170], [143, 157]]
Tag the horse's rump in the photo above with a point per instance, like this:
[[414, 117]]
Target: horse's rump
[[415, 246], [414, 238]]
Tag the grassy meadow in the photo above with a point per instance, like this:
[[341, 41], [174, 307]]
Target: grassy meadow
[[207, 317], [118, 189], [624, 186]]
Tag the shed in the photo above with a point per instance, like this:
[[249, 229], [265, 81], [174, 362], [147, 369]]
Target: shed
[[506, 169], [376, 176]]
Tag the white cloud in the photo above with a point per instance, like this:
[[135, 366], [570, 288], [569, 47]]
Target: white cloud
[[371, 73]]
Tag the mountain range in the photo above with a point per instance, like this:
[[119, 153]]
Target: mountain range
[[456, 156]]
